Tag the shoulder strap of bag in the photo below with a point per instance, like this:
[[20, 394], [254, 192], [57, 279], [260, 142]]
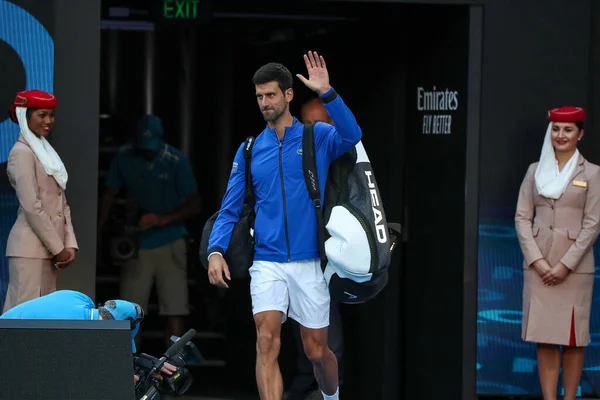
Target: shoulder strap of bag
[[248, 158], [309, 165]]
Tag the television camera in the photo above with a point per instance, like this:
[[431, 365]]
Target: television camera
[[153, 383]]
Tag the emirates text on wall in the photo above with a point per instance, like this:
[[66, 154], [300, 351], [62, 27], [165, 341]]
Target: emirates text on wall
[[436, 106]]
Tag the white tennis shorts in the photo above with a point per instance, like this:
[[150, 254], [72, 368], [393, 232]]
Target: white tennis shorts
[[297, 289]]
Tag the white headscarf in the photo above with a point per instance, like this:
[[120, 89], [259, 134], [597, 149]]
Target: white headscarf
[[42, 149], [549, 181]]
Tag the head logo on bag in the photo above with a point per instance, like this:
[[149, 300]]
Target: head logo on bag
[[355, 239], [377, 208]]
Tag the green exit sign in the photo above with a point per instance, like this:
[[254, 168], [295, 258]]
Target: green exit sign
[[181, 9]]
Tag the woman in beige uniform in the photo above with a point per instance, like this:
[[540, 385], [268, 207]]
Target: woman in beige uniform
[[41, 240], [557, 222]]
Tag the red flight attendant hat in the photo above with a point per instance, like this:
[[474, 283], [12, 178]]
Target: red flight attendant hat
[[32, 99], [567, 114]]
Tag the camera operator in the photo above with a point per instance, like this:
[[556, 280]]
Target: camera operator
[[167, 369], [160, 179], [72, 305], [150, 385]]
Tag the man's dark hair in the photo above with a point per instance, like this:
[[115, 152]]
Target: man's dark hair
[[105, 314], [274, 72]]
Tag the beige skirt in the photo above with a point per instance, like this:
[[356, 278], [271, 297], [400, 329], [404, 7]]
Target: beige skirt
[[29, 278], [557, 314]]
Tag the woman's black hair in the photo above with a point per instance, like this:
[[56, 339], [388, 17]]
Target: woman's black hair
[[30, 111], [580, 125]]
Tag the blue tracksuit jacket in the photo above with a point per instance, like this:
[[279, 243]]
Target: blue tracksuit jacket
[[286, 225]]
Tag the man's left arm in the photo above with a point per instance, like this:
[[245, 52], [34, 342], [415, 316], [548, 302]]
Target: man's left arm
[[346, 133], [190, 207]]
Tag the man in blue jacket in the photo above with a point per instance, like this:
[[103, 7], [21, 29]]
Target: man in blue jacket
[[286, 276]]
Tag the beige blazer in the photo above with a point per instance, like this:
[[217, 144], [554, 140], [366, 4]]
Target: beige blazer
[[562, 230], [43, 227]]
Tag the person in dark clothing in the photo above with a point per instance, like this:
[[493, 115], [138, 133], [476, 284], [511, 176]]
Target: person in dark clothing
[[304, 385]]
